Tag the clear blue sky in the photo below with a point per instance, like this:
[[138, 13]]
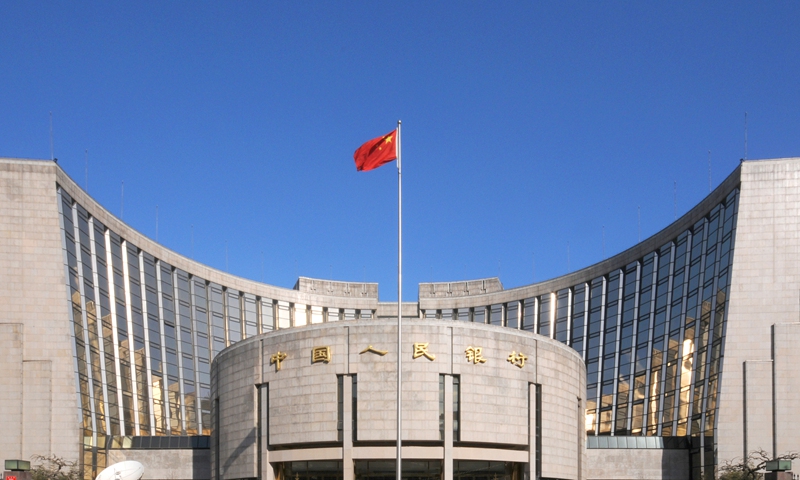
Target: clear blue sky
[[527, 126]]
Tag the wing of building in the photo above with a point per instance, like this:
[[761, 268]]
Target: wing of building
[[665, 361]]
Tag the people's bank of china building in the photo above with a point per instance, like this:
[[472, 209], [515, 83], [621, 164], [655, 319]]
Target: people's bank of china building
[[664, 361]]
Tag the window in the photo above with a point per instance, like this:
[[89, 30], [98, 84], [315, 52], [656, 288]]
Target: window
[[544, 315], [562, 315], [479, 315], [496, 316], [512, 312], [456, 408], [528, 314]]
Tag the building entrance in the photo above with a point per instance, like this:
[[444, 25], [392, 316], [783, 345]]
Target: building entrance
[[480, 470], [312, 470], [386, 469]]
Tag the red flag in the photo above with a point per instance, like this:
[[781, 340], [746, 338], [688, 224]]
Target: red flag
[[376, 152]]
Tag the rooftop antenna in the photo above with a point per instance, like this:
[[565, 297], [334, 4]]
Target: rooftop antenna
[[226, 256], [122, 202], [675, 198], [498, 269], [639, 214], [262, 266], [745, 135], [709, 171], [193, 241], [52, 155], [86, 173], [533, 262], [156, 223]]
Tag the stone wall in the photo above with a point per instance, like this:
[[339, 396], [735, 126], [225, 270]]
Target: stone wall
[[167, 464], [38, 394], [765, 291], [303, 403], [636, 464]]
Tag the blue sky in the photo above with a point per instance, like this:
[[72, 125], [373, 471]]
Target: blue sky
[[529, 128]]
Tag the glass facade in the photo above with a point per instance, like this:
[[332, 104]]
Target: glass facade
[[650, 332], [145, 333]]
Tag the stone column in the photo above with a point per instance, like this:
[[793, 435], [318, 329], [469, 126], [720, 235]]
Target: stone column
[[347, 428], [448, 427], [530, 468], [267, 472]]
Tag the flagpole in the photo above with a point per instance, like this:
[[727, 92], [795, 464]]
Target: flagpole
[[399, 307]]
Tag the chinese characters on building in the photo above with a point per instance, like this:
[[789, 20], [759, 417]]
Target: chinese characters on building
[[276, 360], [473, 355], [421, 350], [321, 354], [517, 359], [374, 350]]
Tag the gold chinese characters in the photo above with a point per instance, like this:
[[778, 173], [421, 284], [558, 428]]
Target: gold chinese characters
[[321, 354], [374, 350], [474, 355], [517, 359], [421, 350], [276, 359]]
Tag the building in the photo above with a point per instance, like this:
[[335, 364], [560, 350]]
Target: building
[[664, 361]]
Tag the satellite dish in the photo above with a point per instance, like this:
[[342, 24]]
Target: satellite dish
[[127, 470]]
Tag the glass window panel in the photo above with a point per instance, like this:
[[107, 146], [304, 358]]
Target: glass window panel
[[637, 418], [300, 315], [605, 422], [284, 315], [316, 315], [593, 346], [622, 421], [334, 314], [441, 406], [267, 315], [456, 407], [613, 286], [479, 315], [561, 315], [528, 313], [234, 312], [545, 314], [512, 312], [578, 318], [496, 314], [647, 270]]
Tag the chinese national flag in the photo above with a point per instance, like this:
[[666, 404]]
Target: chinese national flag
[[376, 152]]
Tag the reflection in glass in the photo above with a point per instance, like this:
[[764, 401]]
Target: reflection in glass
[[145, 332]]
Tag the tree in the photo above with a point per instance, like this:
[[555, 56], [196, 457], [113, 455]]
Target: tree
[[752, 466], [53, 467]]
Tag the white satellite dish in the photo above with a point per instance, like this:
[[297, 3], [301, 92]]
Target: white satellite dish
[[127, 470]]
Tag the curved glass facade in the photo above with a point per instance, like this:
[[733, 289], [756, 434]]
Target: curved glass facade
[[651, 334], [145, 333]]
